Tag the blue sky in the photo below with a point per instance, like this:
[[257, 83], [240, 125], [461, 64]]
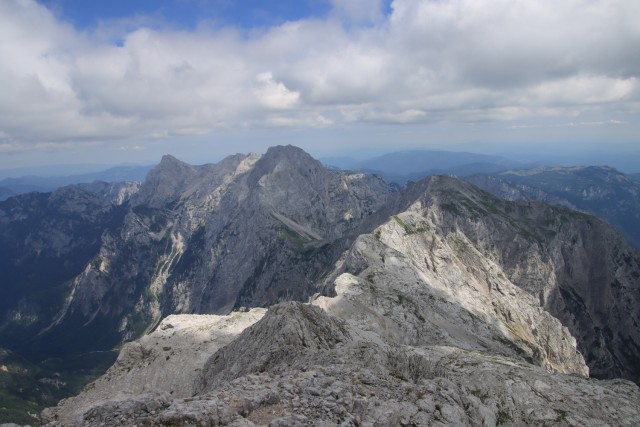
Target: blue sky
[[127, 81], [187, 14]]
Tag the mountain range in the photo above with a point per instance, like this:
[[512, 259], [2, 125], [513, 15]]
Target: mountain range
[[12, 186], [401, 167], [597, 190], [426, 305]]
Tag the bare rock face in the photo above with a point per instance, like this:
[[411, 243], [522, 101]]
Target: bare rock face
[[290, 218], [420, 290], [248, 231], [177, 251], [323, 396], [440, 304], [580, 269], [451, 388], [117, 193]]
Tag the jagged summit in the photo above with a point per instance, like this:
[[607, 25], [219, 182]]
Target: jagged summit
[[206, 239], [173, 181], [168, 160], [165, 182], [171, 167], [288, 163], [289, 152]]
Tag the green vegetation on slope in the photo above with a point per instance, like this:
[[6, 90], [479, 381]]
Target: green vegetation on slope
[[27, 388]]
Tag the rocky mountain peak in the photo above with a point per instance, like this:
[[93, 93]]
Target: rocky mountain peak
[[575, 264], [289, 153], [173, 180], [165, 182], [284, 165], [167, 160], [171, 167]]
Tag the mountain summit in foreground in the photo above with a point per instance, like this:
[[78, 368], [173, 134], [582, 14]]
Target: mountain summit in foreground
[[437, 304]]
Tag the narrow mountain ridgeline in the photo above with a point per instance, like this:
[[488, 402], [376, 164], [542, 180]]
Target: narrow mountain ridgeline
[[579, 268], [575, 266], [598, 190], [118, 193], [439, 303]]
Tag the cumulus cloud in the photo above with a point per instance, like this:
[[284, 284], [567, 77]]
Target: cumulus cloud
[[273, 94], [427, 61]]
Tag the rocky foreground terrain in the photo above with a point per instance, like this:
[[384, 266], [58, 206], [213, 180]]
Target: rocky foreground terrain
[[299, 365]]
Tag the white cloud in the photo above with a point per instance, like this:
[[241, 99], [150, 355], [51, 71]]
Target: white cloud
[[454, 61], [132, 148], [611, 122], [273, 94]]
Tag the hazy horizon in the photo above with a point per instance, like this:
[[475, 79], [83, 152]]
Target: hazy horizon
[[621, 161]]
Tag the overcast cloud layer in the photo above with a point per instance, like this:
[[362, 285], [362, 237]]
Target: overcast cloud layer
[[428, 62]]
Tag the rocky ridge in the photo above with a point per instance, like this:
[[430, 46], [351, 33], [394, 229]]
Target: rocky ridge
[[117, 193], [580, 269], [170, 359], [476, 390], [423, 321]]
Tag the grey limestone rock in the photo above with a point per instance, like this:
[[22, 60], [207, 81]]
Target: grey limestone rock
[[436, 305], [289, 332], [581, 270]]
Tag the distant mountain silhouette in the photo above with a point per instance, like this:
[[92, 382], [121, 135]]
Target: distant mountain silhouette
[[403, 166], [27, 184]]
